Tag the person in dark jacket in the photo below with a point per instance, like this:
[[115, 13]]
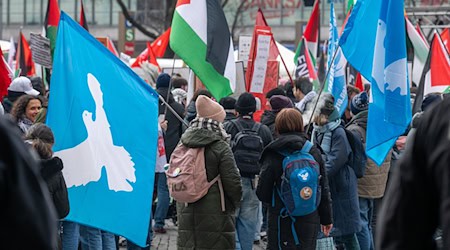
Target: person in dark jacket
[[41, 138], [203, 224], [291, 138], [27, 209], [171, 138], [247, 214], [19, 86], [277, 103], [191, 111], [228, 103], [417, 198], [330, 135]]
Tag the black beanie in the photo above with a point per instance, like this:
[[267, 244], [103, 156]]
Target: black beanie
[[246, 104], [228, 102], [163, 81]]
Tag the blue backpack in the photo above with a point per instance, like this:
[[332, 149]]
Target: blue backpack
[[300, 185]]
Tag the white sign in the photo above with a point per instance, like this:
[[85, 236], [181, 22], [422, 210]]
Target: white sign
[[260, 64], [245, 43], [40, 48], [240, 79]]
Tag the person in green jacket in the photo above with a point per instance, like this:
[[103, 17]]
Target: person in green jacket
[[202, 224]]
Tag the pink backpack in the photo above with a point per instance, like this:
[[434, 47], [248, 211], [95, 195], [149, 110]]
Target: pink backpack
[[186, 175]]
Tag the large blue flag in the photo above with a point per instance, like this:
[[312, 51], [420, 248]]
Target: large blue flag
[[104, 118], [381, 56], [335, 84]]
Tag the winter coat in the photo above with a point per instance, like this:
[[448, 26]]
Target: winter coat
[[248, 123], [418, 196], [51, 172], [373, 184], [203, 225], [343, 184], [28, 213], [307, 227], [174, 126], [229, 116], [268, 119]]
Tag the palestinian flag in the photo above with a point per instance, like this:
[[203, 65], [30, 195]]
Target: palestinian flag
[[445, 35], [200, 36], [83, 21], [436, 73], [24, 61], [311, 34], [51, 23], [305, 66], [420, 48]]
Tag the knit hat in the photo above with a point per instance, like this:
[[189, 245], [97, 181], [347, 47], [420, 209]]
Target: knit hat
[[208, 108], [279, 102], [163, 81], [359, 103], [246, 104], [326, 104], [431, 100], [23, 84], [227, 102]]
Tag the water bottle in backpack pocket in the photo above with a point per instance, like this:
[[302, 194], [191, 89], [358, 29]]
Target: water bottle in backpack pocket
[[300, 183], [247, 147]]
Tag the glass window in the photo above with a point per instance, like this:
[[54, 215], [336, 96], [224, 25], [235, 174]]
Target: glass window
[[16, 11]]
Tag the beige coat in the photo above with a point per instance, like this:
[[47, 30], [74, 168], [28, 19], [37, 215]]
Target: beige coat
[[373, 184]]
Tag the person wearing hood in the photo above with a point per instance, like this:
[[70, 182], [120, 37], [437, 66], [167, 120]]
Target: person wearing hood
[[191, 111], [228, 103], [203, 224], [373, 184], [277, 103], [331, 136], [291, 138], [19, 86]]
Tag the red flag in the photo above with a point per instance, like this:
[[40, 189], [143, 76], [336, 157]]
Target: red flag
[[311, 32], [5, 77], [151, 56], [445, 35], [261, 21], [24, 60], [53, 13], [83, 21], [111, 47], [159, 46], [439, 64], [359, 82]]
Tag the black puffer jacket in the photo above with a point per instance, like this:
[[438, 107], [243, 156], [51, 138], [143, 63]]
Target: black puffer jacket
[[51, 172], [268, 119], [307, 227]]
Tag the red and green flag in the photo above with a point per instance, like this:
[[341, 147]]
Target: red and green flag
[[201, 37], [24, 60], [51, 23], [83, 21], [421, 49], [445, 35], [305, 66], [311, 34]]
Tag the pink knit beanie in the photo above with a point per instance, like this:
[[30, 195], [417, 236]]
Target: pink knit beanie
[[208, 108]]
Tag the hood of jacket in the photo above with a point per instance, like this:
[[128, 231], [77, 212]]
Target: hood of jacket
[[268, 117], [163, 92], [50, 167], [288, 141], [199, 137], [360, 119]]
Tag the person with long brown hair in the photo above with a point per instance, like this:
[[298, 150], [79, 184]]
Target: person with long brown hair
[[291, 138], [25, 111]]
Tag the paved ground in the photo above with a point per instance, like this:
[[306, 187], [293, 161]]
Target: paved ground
[[168, 241]]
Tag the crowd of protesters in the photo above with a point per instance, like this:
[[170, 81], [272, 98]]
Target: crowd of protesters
[[248, 153]]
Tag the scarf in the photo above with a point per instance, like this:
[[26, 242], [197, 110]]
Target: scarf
[[211, 125], [327, 131], [301, 105]]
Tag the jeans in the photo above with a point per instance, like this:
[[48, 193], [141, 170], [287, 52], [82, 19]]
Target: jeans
[[163, 200], [70, 235], [347, 242], [259, 224], [247, 215], [94, 239], [365, 236]]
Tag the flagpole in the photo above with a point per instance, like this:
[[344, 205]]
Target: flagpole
[[168, 107], [322, 86], [170, 86]]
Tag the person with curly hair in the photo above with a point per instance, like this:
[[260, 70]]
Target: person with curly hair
[[25, 111]]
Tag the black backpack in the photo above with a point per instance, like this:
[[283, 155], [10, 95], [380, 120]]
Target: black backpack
[[247, 147], [355, 136]]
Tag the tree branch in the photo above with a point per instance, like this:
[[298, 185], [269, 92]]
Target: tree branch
[[135, 24]]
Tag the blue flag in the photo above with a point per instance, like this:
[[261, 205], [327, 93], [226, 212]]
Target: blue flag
[[390, 106], [335, 83], [105, 122]]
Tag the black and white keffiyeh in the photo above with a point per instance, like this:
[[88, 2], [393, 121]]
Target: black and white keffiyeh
[[211, 125]]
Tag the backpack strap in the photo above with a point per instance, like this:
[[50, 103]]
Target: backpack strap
[[238, 125], [307, 147], [256, 127], [222, 196]]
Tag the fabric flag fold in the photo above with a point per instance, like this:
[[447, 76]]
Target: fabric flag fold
[[436, 73], [305, 66], [200, 36], [83, 21], [24, 60], [11, 53], [374, 42], [5, 76], [336, 83], [421, 49], [51, 23], [108, 163], [311, 34], [445, 35]]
